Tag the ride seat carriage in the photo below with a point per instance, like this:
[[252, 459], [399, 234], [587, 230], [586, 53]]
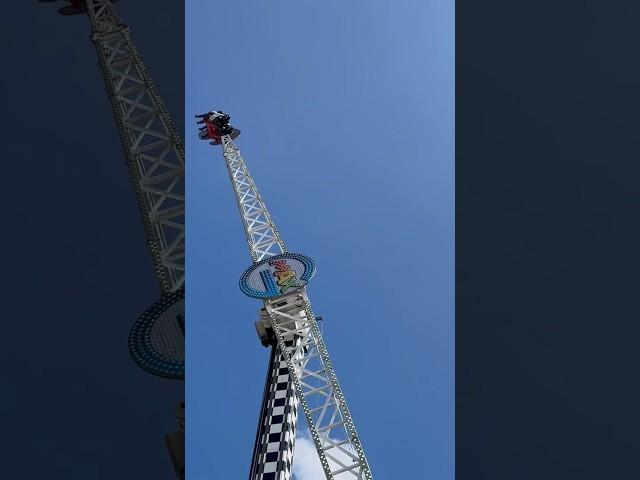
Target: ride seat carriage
[[216, 125]]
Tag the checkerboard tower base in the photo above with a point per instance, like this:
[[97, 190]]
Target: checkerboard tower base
[[276, 435]]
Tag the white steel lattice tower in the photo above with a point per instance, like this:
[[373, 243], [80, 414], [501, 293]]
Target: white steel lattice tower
[[300, 374]]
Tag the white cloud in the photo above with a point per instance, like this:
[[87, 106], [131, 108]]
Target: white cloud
[[306, 464]]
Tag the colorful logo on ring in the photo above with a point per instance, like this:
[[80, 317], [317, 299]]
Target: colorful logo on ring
[[276, 276]]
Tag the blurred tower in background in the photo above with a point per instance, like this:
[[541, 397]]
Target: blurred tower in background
[[154, 155]]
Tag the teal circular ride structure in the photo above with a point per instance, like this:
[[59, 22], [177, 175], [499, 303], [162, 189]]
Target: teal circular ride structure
[[156, 340]]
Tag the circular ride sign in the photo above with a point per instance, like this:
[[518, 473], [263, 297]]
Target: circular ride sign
[[277, 276]]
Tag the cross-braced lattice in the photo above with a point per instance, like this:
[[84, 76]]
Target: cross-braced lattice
[[262, 235], [332, 428], [153, 149]]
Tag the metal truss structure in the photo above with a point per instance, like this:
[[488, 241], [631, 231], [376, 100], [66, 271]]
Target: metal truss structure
[[262, 235], [309, 379], [316, 385], [153, 150]]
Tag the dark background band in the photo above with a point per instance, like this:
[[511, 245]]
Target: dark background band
[[547, 142]]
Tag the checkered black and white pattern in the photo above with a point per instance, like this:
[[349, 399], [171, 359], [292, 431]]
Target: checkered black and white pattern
[[275, 439], [273, 454]]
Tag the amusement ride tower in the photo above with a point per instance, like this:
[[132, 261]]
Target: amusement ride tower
[[154, 155], [300, 373]]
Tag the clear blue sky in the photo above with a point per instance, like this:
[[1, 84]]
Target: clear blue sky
[[347, 114]]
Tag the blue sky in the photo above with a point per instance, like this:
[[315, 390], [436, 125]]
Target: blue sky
[[347, 114]]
